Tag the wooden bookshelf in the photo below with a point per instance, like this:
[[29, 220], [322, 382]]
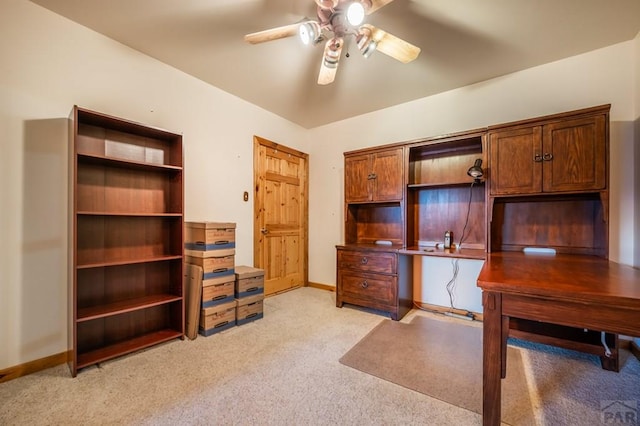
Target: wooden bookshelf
[[126, 196]]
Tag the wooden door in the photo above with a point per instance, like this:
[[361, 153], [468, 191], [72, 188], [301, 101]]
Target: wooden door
[[280, 215], [516, 161], [574, 154]]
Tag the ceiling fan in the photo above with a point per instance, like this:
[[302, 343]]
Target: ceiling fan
[[341, 18]]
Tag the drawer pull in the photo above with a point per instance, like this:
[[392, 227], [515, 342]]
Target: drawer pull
[[364, 261], [364, 284]]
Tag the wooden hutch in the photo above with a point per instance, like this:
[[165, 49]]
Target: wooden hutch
[[545, 188]]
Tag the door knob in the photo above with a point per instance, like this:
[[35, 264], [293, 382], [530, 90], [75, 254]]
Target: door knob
[[264, 231]]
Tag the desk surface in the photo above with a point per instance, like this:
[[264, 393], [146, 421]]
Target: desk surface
[[574, 277], [573, 290]]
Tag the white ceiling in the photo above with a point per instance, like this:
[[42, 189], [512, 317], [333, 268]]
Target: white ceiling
[[462, 42]]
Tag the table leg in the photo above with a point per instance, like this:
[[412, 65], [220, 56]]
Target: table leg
[[492, 358], [503, 346]]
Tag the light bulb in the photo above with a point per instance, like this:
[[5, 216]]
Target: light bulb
[[355, 13], [304, 34]]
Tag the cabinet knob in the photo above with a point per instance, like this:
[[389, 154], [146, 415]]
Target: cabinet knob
[[537, 158], [364, 261], [364, 284], [547, 156], [372, 176]]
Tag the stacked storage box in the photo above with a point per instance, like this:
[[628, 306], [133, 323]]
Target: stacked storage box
[[249, 293], [211, 246]]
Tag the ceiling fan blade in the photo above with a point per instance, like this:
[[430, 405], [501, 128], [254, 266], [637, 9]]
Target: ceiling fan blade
[[329, 66], [393, 46], [272, 34], [377, 4]]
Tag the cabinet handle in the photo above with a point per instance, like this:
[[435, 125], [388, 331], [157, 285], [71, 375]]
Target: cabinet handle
[[364, 284], [537, 158], [547, 156], [372, 176], [364, 260]]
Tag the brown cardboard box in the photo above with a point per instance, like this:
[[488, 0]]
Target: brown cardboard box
[[215, 263], [249, 309], [249, 281], [217, 291], [209, 235], [217, 318]]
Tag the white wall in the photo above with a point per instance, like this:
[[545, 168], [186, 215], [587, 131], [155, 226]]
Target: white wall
[[48, 65], [599, 77]]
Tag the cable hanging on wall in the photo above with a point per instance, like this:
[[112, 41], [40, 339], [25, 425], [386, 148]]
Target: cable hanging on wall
[[476, 173]]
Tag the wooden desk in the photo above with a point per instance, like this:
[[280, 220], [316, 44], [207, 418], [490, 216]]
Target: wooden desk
[[571, 290]]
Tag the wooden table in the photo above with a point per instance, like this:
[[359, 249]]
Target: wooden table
[[570, 290]]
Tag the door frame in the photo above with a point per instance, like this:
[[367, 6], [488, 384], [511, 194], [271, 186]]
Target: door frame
[[259, 176]]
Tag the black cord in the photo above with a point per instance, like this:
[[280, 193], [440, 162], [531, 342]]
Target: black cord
[[454, 262], [452, 282], [466, 222]]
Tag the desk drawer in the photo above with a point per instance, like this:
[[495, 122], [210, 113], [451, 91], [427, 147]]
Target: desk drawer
[[368, 261], [379, 289]]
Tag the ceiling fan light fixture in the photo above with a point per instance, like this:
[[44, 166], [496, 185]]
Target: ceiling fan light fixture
[[309, 33], [366, 44], [355, 13], [332, 55]]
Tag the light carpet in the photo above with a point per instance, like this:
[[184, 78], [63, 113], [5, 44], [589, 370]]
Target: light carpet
[[283, 370]]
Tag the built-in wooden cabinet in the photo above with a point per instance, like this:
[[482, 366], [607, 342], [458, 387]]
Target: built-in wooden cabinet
[[561, 155], [375, 176], [432, 194], [442, 197], [126, 248], [545, 186], [368, 263], [549, 192], [549, 183], [374, 278]]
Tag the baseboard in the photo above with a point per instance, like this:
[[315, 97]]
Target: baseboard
[[443, 309], [33, 366], [322, 286]]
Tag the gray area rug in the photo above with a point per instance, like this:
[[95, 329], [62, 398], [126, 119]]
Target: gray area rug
[[441, 359]]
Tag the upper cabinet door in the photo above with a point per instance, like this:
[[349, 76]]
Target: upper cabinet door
[[375, 176], [387, 179], [568, 155], [515, 161], [574, 154], [357, 169]]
